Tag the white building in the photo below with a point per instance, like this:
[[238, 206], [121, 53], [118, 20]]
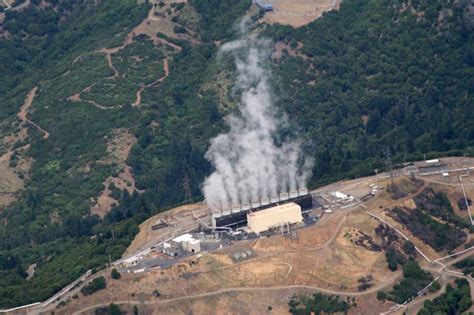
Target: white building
[[188, 243], [263, 220]]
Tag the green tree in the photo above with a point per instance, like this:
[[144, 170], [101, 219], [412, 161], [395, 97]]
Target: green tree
[[115, 274]]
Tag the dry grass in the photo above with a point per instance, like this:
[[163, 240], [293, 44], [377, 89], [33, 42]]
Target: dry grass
[[321, 257], [299, 12], [312, 260], [177, 215]]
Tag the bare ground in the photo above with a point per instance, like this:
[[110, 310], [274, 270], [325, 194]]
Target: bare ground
[[138, 100], [10, 182], [318, 261], [299, 12], [77, 98], [23, 114], [119, 148]]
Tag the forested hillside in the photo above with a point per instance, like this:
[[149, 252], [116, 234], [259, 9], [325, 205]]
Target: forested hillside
[[375, 78]]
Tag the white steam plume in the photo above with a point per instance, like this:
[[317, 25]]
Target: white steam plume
[[251, 161]]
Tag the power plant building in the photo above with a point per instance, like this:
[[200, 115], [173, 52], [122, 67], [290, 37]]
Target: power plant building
[[263, 220], [237, 216]]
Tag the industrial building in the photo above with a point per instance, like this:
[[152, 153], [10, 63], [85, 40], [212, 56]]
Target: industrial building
[[433, 167], [264, 5], [263, 220], [188, 243], [237, 216]]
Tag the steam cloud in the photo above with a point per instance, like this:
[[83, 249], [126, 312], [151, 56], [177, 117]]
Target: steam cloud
[[251, 160]]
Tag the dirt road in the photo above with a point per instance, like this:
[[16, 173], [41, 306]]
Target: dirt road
[[417, 304], [389, 281], [23, 114], [166, 68]]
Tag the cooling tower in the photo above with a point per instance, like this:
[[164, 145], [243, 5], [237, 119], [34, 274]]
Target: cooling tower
[[284, 196], [302, 191], [236, 208], [255, 203], [274, 199], [293, 194]]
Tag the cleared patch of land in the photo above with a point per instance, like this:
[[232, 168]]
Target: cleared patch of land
[[320, 259], [119, 148], [299, 12]]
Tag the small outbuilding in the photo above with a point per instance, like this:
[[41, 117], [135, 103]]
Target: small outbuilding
[[264, 5]]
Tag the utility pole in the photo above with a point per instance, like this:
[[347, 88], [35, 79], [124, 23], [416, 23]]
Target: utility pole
[[113, 235], [388, 164]]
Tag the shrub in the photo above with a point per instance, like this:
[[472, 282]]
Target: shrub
[[381, 296], [178, 29], [115, 274], [95, 285]]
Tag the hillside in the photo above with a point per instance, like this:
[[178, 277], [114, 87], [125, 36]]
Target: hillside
[[364, 255], [108, 108]]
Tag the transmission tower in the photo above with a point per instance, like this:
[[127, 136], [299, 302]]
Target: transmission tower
[[187, 190]]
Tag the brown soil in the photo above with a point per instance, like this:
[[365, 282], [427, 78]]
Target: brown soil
[[299, 12], [23, 114], [10, 182], [281, 46], [150, 27], [454, 193], [138, 100], [119, 148], [280, 271], [108, 55], [77, 98]]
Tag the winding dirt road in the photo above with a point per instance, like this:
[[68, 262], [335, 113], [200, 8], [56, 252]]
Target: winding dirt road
[[387, 282], [166, 68], [23, 114]]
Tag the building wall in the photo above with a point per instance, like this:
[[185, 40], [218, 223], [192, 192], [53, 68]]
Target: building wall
[[265, 219], [240, 218]]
